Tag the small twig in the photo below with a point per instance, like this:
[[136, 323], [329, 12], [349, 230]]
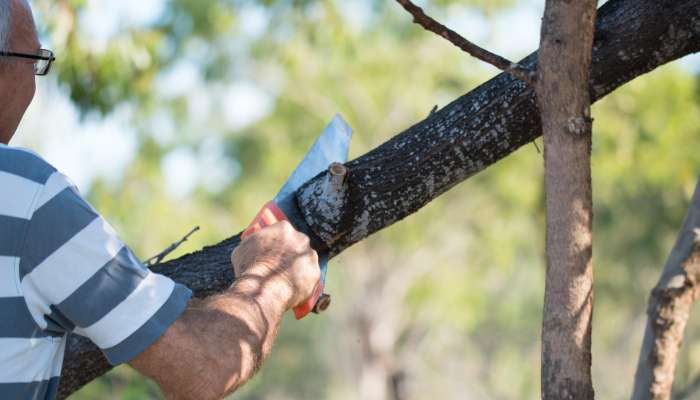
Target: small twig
[[433, 111], [536, 147], [160, 256], [458, 40]]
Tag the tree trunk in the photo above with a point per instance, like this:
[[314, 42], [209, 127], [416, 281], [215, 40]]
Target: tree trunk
[[402, 175], [565, 105], [669, 308]]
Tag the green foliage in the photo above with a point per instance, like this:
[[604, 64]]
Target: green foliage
[[485, 6], [452, 296]]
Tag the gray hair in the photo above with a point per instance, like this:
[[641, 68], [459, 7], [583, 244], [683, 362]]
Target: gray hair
[[5, 24]]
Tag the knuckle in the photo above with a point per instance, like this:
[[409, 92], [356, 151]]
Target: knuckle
[[250, 239], [315, 269], [302, 247], [286, 225], [314, 256], [284, 230], [300, 238]]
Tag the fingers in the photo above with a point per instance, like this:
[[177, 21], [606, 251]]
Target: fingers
[[280, 252], [279, 238], [284, 232], [268, 217]]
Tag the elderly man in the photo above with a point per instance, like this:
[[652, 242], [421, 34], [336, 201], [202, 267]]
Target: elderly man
[[63, 269]]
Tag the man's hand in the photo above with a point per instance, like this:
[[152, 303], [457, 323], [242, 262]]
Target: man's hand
[[224, 338], [279, 256]]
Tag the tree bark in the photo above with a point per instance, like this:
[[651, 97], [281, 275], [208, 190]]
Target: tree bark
[[669, 308], [565, 106], [402, 175]]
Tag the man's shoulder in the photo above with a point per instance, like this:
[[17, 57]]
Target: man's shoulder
[[25, 164]]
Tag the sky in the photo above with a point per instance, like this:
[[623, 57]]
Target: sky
[[103, 147]]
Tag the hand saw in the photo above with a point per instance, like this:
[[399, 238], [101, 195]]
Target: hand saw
[[331, 146]]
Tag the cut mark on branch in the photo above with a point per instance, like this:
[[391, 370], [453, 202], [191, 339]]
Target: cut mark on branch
[[430, 24], [322, 202]]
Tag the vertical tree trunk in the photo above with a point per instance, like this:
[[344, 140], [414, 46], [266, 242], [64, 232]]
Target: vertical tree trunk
[[669, 308], [564, 100]]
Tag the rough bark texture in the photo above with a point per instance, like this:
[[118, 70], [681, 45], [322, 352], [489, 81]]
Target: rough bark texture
[[565, 106], [669, 308], [473, 132]]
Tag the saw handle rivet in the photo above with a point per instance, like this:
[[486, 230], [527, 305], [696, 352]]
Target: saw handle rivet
[[322, 303]]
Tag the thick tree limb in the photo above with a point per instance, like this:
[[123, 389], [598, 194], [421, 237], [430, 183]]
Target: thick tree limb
[[424, 20], [669, 308], [402, 175], [565, 104]]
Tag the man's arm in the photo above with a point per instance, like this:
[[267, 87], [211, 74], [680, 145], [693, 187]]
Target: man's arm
[[76, 275], [218, 344]]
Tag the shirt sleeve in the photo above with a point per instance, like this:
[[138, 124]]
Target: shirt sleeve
[[77, 276]]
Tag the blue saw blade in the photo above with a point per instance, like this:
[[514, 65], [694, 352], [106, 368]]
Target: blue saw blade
[[331, 146]]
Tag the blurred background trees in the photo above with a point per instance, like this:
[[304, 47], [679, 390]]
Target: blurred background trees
[[175, 113]]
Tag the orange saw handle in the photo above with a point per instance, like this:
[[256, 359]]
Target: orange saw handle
[[268, 215]]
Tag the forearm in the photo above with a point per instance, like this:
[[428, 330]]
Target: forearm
[[218, 344]]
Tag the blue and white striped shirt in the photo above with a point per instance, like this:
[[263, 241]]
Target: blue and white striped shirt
[[63, 269]]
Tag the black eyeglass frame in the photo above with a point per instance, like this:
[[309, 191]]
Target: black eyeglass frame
[[49, 57]]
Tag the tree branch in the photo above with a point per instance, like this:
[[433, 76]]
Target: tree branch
[[465, 137], [669, 308], [565, 104], [424, 20]]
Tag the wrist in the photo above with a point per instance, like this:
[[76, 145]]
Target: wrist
[[261, 284]]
